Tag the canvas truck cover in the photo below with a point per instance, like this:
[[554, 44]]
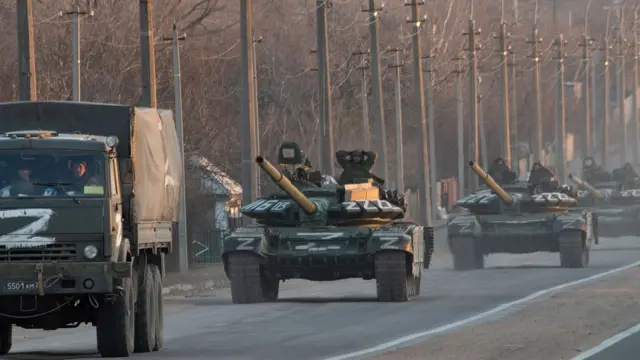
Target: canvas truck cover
[[147, 136]]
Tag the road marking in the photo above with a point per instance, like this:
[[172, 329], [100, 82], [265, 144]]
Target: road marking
[[463, 322], [608, 343]]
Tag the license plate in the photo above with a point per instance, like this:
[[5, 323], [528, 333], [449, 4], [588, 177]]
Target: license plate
[[20, 286]]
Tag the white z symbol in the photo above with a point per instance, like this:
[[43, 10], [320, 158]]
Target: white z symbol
[[386, 243], [466, 227], [244, 245], [26, 235]]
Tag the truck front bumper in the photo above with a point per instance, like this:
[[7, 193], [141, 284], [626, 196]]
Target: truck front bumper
[[35, 278]]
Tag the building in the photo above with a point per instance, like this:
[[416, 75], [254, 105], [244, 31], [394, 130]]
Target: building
[[217, 189]]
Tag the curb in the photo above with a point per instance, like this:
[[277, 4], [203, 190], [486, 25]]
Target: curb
[[182, 288]]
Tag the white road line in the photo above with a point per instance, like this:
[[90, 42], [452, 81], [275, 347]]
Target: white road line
[[608, 343], [463, 322]]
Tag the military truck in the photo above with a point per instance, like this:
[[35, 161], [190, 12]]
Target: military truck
[[88, 195], [519, 219], [326, 230]]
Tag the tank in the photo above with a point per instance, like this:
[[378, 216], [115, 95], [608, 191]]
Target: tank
[[519, 219], [319, 229], [616, 207]]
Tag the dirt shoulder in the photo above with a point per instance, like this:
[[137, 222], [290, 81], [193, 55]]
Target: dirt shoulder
[[559, 327]]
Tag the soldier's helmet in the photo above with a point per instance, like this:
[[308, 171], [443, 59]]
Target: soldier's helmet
[[588, 162]]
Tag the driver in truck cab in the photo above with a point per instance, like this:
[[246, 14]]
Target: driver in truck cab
[[81, 177], [21, 184]]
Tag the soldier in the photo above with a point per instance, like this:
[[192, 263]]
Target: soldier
[[625, 175], [542, 177], [593, 173], [501, 173], [356, 165]]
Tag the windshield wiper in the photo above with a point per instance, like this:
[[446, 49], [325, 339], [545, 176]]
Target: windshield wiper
[[59, 185]]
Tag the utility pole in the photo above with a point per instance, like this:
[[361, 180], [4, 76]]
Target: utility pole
[[324, 83], [431, 127], [514, 114], [458, 71], [147, 51], [182, 224], [621, 87], [634, 123], [473, 95], [535, 56], [506, 130], [376, 85], [76, 12], [26, 51], [247, 106], [257, 109], [605, 108], [366, 129], [586, 56], [560, 111], [418, 86], [399, 148], [484, 154]]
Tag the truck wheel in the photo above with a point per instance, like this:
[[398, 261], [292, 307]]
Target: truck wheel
[[159, 308], [246, 280], [115, 325], [270, 288], [466, 254], [6, 338], [393, 284], [145, 319], [573, 251]]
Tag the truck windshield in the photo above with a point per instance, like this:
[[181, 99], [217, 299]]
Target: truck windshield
[[36, 173]]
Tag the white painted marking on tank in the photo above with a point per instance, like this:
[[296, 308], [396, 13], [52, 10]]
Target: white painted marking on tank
[[486, 314], [608, 343]]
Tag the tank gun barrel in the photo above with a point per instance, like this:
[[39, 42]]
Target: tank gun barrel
[[307, 205], [595, 192], [491, 183]]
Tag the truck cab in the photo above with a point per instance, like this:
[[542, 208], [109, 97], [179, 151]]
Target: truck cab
[[59, 197]]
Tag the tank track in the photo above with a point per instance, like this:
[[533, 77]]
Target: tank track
[[429, 245]]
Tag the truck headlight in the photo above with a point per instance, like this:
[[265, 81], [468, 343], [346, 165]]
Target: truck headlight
[[90, 252]]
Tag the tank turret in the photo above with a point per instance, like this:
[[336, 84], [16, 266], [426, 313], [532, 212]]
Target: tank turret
[[519, 197], [593, 191]]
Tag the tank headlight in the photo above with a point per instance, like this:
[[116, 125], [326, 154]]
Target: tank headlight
[[90, 252], [112, 141]]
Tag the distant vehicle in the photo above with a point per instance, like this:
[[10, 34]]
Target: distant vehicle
[[519, 219]]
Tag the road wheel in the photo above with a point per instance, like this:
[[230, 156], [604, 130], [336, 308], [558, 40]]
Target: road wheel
[[159, 308], [145, 319], [466, 253], [6, 338], [246, 280], [573, 251], [115, 325], [393, 284]]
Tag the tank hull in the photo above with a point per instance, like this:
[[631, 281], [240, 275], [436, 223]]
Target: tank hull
[[334, 253], [617, 221], [472, 237]]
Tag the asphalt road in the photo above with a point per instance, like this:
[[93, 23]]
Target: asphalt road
[[322, 320], [623, 346]]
